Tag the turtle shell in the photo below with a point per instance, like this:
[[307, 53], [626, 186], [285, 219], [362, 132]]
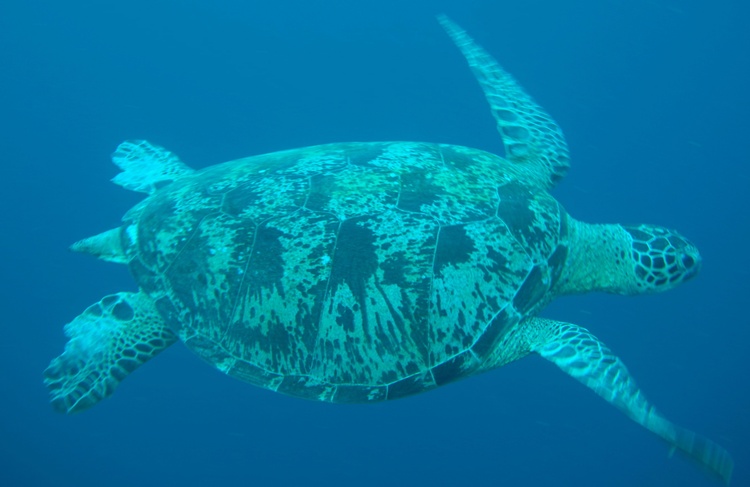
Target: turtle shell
[[348, 272]]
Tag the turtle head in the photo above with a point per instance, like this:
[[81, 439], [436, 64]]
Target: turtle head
[[622, 259], [662, 258]]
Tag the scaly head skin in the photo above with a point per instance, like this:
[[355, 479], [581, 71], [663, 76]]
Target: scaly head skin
[[624, 259], [663, 258]]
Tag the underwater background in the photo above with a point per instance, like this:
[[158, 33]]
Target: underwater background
[[652, 96]]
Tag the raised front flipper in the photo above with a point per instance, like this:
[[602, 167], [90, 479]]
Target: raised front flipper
[[107, 341], [532, 138], [584, 357]]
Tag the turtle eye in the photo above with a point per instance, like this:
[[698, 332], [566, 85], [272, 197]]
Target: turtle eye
[[688, 262]]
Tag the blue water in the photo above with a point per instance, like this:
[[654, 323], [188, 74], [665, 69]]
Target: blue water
[[652, 96]]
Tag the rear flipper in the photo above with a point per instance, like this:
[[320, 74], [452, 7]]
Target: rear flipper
[[584, 357], [107, 341], [146, 167]]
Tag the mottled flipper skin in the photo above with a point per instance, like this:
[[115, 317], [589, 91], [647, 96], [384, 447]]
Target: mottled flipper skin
[[146, 167], [108, 341], [532, 139], [582, 356]]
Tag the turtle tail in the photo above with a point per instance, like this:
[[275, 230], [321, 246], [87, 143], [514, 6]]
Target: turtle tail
[[107, 341]]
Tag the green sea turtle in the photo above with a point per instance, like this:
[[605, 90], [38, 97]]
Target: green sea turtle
[[360, 272]]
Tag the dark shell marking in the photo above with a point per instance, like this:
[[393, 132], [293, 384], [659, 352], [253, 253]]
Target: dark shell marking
[[349, 272]]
